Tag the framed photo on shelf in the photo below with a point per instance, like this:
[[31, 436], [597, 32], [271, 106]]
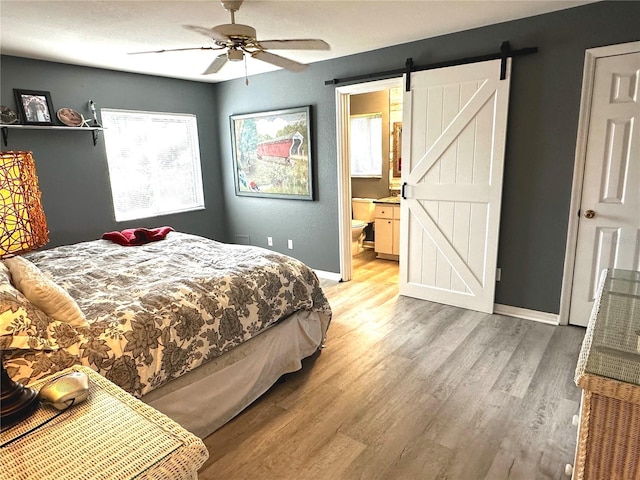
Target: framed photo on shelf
[[272, 154], [34, 107]]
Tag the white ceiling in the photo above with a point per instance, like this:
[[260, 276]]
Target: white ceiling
[[102, 33]]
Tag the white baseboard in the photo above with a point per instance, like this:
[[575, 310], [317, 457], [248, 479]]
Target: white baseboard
[[328, 275], [526, 314]]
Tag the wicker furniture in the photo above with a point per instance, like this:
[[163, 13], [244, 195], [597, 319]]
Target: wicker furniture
[[110, 435], [608, 372]]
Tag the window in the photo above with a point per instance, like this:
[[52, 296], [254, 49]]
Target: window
[[154, 163], [365, 144]]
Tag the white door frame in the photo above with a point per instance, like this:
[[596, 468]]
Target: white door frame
[[344, 166], [591, 55]]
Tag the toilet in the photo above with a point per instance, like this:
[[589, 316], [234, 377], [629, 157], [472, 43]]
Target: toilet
[[363, 210]]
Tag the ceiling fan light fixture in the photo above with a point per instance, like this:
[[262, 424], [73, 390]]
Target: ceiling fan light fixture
[[235, 55]]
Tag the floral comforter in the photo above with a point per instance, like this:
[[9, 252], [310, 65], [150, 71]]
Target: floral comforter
[[158, 310]]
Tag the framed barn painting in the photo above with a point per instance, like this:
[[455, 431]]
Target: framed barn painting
[[272, 154]]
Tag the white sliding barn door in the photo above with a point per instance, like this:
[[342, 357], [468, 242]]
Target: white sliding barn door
[[608, 229], [454, 131]]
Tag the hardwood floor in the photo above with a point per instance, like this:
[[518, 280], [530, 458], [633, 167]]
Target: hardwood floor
[[407, 389]]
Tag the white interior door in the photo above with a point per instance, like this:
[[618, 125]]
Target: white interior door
[[608, 229], [453, 156]]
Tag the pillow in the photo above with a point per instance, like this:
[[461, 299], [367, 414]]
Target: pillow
[[44, 293], [22, 325]]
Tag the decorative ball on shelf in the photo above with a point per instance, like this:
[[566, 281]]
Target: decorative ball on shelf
[[7, 116]]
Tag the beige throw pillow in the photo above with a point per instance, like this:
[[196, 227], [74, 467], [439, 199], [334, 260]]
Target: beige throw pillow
[[44, 293], [22, 325]]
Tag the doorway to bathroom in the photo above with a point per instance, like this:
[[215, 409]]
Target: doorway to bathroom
[[367, 103]]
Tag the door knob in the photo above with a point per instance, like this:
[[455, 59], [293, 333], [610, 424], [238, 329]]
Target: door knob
[[589, 214]]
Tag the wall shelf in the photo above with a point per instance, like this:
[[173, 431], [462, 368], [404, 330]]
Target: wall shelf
[[95, 131]]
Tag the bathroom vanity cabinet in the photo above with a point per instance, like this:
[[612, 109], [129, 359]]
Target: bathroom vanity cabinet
[[387, 231]]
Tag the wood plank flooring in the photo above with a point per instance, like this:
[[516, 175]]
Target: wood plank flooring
[[407, 389]]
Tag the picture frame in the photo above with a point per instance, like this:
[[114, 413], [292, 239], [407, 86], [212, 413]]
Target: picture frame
[[272, 154], [34, 107]]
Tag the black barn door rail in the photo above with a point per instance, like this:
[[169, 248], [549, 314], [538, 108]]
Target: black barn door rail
[[504, 53]]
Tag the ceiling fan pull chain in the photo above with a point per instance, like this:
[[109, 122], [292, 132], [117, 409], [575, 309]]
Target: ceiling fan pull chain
[[246, 74]]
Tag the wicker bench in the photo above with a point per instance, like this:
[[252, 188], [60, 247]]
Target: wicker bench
[[608, 372]]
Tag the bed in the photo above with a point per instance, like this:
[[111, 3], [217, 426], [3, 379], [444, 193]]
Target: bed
[[196, 328]]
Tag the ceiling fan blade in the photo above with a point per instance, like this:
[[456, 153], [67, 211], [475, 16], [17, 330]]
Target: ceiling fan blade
[[216, 65], [175, 50], [279, 61], [208, 32], [300, 44]]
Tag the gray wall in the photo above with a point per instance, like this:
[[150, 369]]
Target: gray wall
[[543, 118], [73, 174], [312, 225]]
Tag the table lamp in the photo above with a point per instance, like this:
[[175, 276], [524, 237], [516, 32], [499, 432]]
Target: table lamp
[[23, 227]]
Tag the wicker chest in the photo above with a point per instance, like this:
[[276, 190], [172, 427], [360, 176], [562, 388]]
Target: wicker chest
[[608, 373]]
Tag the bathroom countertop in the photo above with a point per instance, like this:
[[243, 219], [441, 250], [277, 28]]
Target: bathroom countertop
[[392, 200]]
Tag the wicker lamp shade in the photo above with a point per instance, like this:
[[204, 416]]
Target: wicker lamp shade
[[23, 226]]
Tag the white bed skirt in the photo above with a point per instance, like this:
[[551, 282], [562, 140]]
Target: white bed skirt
[[208, 397]]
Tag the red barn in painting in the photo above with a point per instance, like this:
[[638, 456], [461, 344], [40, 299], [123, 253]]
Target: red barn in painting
[[281, 147]]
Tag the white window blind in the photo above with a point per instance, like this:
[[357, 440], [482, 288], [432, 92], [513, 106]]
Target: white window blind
[[154, 163], [365, 144]]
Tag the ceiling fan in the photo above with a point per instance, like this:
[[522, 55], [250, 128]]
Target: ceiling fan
[[238, 40]]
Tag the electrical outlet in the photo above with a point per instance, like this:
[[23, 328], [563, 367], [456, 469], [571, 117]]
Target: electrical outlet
[[498, 274], [270, 241], [290, 244]]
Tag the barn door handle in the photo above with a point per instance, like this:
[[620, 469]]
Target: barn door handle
[[402, 191]]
